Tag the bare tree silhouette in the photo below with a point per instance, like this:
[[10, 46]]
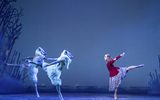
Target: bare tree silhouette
[[10, 27], [10, 30]]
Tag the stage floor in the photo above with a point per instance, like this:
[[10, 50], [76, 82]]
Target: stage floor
[[76, 96]]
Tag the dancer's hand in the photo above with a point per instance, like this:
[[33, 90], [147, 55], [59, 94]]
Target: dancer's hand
[[122, 54]]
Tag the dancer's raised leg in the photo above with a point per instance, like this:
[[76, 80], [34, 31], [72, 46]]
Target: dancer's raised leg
[[134, 67]]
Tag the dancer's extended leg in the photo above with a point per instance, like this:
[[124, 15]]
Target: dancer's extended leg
[[134, 67], [115, 94], [59, 92], [36, 89]]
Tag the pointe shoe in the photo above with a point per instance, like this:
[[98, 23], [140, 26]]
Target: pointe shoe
[[141, 65], [61, 98], [115, 98], [38, 96]]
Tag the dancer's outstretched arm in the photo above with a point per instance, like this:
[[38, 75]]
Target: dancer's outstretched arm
[[18, 65], [55, 62], [51, 59], [29, 57], [22, 66], [121, 55]]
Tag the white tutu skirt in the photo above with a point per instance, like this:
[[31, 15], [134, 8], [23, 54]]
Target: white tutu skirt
[[115, 81], [54, 74]]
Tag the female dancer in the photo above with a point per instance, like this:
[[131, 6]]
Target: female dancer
[[54, 69], [32, 64], [116, 74]]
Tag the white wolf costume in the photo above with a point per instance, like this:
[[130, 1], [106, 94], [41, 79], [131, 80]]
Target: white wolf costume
[[54, 69], [32, 64], [37, 61]]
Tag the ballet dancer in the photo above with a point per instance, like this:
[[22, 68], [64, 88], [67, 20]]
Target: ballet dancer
[[54, 69], [32, 64], [116, 74]]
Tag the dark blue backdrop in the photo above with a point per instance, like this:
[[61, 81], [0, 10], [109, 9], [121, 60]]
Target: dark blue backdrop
[[89, 29]]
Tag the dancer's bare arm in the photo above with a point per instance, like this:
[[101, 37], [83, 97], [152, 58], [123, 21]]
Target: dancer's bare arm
[[29, 57], [55, 62], [17, 65], [121, 55], [51, 59]]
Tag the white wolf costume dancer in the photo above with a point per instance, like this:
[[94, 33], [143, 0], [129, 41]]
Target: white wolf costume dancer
[[32, 64], [33, 68], [54, 69]]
